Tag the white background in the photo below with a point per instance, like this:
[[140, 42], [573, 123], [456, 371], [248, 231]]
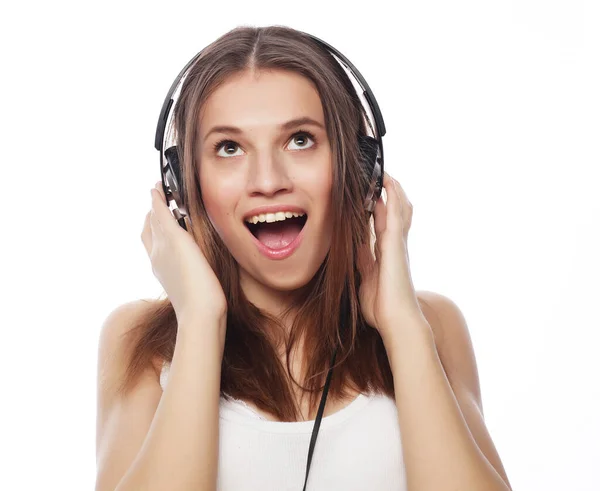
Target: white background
[[492, 114]]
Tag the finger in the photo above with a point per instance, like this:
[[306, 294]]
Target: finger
[[156, 226], [399, 190], [160, 189], [394, 207], [162, 213], [147, 234], [380, 215], [379, 225], [398, 207]]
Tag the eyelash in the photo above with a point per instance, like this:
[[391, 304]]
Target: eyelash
[[220, 143]]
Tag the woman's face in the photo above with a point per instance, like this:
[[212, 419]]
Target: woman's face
[[263, 164]]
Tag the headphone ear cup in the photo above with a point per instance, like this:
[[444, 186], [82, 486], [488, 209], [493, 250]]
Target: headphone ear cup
[[173, 175], [369, 149]]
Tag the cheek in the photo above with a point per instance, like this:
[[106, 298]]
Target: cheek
[[322, 184], [326, 183], [317, 178], [219, 200], [218, 214]]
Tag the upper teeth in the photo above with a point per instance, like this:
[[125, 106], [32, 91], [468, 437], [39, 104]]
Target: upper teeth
[[273, 217]]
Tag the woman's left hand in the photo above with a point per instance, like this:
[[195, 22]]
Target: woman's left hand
[[387, 295]]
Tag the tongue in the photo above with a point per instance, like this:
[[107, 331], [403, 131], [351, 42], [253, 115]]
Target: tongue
[[277, 235]]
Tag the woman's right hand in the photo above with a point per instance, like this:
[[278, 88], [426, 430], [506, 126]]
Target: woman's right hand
[[179, 264]]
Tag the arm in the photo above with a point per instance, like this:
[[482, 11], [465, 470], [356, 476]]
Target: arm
[[151, 440], [445, 442]]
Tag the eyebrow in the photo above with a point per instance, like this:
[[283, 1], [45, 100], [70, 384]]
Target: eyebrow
[[282, 127]]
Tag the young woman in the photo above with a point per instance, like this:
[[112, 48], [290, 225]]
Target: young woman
[[217, 385]]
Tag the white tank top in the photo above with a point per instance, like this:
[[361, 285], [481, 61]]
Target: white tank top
[[358, 448]]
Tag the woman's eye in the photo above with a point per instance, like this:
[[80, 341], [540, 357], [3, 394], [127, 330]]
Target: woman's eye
[[300, 138], [227, 146], [303, 136]]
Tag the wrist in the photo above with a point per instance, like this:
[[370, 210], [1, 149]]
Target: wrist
[[409, 343], [401, 331], [397, 324], [194, 315], [203, 324]]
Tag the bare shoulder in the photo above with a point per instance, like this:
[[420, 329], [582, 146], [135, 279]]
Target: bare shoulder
[[453, 340], [120, 318], [115, 327], [122, 419], [443, 315]]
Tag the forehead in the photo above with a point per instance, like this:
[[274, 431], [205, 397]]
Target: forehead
[[266, 98]]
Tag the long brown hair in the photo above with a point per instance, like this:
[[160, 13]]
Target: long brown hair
[[327, 310]]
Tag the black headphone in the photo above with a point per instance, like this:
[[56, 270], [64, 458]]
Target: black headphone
[[370, 147], [372, 158]]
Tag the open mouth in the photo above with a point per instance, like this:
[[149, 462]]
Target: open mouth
[[276, 235]]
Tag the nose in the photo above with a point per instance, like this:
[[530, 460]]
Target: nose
[[268, 174]]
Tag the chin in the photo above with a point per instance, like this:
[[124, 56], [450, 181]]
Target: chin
[[283, 279], [286, 283]]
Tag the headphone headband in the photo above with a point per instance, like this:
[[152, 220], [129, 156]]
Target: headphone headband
[[368, 94]]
